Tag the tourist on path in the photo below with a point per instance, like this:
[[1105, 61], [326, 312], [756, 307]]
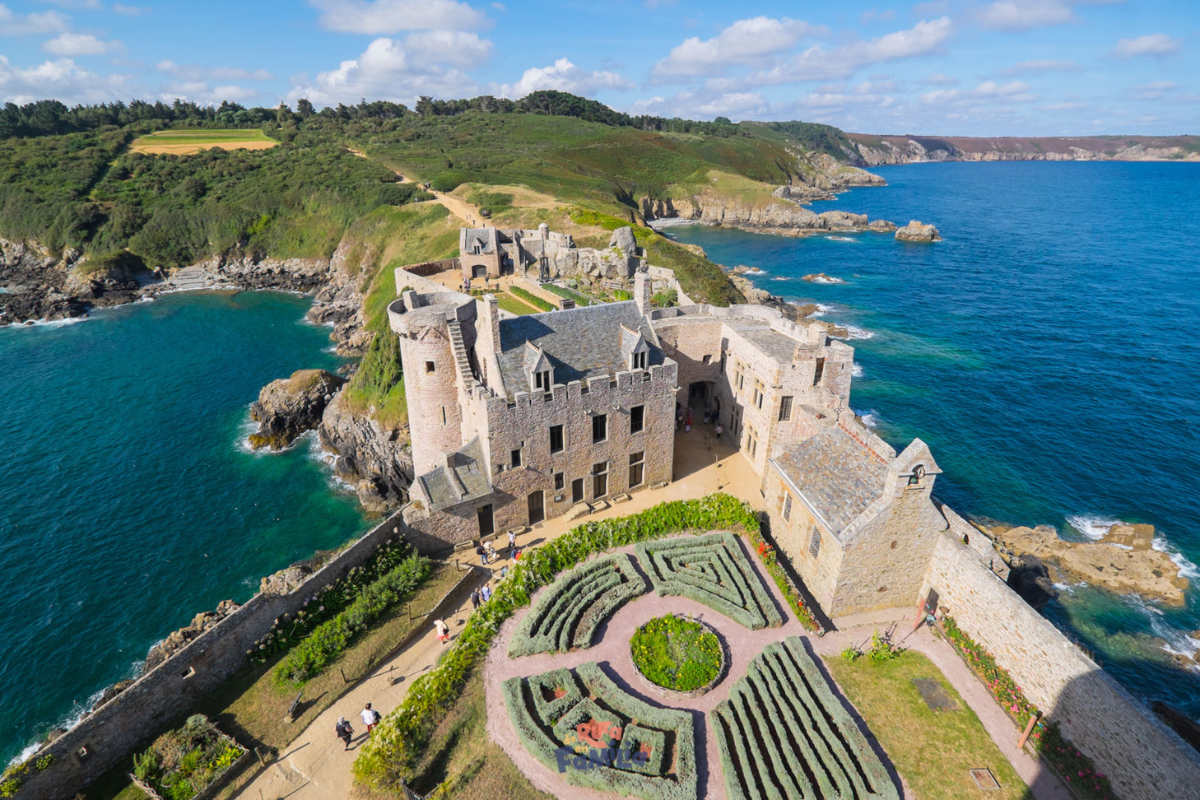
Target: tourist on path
[[483, 557], [370, 717], [487, 592], [442, 630], [344, 731], [491, 552], [476, 598], [512, 543]]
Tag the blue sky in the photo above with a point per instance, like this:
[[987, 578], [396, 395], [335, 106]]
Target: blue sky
[[952, 67]]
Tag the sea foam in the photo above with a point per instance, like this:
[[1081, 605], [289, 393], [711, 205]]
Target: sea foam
[[1091, 526]]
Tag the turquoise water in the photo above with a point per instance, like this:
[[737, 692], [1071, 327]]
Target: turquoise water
[[1047, 352], [127, 502]]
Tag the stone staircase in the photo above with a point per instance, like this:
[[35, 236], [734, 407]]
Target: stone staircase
[[466, 377]]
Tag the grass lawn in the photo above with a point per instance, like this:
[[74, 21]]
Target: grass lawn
[[186, 142], [932, 750], [510, 303], [250, 707], [461, 753]]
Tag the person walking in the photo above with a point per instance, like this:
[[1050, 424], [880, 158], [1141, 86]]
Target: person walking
[[483, 558], [487, 592], [442, 630], [491, 552], [344, 731], [370, 717], [476, 598], [512, 543]]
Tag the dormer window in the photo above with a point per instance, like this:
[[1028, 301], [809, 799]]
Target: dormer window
[[639, 360], [541, 380]]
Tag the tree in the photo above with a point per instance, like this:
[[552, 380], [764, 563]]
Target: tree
[[304, 108]]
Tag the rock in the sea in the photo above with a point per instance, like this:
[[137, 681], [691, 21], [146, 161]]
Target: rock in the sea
[[1030, 578], [915, 231], [881, 226], [821, 277], [1123, 561], [288, 407]]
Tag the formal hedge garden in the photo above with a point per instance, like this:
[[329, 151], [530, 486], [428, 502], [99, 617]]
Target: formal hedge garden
[[567, 614], [389, 756], [584, 726], [677, 653], [712, 570], [782, 730]]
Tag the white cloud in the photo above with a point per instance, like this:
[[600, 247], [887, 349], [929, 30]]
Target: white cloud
[[393, 16], [92, 5], [130, 11], [194, 73], [1037, 67], [201, 92], [565, 77], [817, 63], [460, 49], [1152, 91], [80, 44], [61, 79], [747, 42], [13, 24], [1023, 15], [387, 70], [1014, 91], [693, 104], [939, 80], [1152, 44]]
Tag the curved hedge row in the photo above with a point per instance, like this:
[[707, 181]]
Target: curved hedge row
[[712, 570], [544, 731], [395, 745], [782, 733], [567, 614]]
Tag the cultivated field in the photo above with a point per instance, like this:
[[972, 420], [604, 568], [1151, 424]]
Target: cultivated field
[[187, 142]]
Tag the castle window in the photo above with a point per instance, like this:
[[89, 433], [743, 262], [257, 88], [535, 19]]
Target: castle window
[[635, 468], [785, 409], [556, 438], [430, 367], [787, 506], [758, 397], [599, 479], [443, 415], [516, 457], [559, 481], [637, 419], [599, 428], [751, 443], [541, 380], [639, 360], [819, 371], [814, 544]]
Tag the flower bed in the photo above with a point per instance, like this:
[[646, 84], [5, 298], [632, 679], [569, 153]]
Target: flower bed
[[678, 654], [388, 757], [788, 589], [183, 763], [567, 294], [532, 299], [1076, 769], [781, 730]]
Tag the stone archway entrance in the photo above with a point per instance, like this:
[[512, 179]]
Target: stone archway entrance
[[479, 271]]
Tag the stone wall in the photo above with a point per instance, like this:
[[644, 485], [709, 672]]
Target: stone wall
[[431, 268], [1144, 758], [166, 694]]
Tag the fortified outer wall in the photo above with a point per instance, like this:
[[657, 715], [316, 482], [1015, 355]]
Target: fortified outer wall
[[165, 694], [1144, 758]]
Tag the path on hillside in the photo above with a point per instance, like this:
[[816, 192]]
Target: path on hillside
[[459, 208]]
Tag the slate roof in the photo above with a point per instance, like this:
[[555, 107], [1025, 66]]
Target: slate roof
[[486, 237], [835, 475], [580, 342], [772, 343], [465, 480]]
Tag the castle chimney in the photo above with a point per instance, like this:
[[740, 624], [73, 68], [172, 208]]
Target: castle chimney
[[641, 290], [488, 341]]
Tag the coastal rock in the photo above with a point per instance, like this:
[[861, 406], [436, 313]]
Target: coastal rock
[[1030, 578], [881, 226], [915, 231], [377, 462], [753, 294], [1123, 561], [821, 277], [288, 407], [285, 581], [112, 691], [36, 280], [202, 622]]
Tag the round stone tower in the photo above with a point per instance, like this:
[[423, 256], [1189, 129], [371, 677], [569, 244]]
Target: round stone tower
[[429, 334]]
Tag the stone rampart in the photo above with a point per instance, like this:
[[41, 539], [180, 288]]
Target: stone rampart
[[429, 268], [164, 695], [1144, 758]]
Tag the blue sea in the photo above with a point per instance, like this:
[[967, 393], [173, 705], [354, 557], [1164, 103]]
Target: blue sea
[[128, 500], [1046, 350]]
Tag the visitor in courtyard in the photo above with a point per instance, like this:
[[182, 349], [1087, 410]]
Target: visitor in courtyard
[[476, 598], [370, 717], [512, 543], [442, 631], [491, 552], [344, 731], [483, 556], [718, 430], [487, 592]]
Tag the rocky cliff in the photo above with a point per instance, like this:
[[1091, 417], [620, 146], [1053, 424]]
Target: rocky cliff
[[288, 407], [376, 462], [786, 218], [872, 151]]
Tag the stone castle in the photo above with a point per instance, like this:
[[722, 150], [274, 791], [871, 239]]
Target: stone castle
[[516, 420]]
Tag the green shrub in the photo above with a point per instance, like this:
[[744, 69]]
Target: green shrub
[[668, 298], [852, 653], [330, 639], [532, 299], [882, 650], [676, 653], [568, 294], [185, 761], [730, 584], [448, 181], [390, 754], [770, 560]]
